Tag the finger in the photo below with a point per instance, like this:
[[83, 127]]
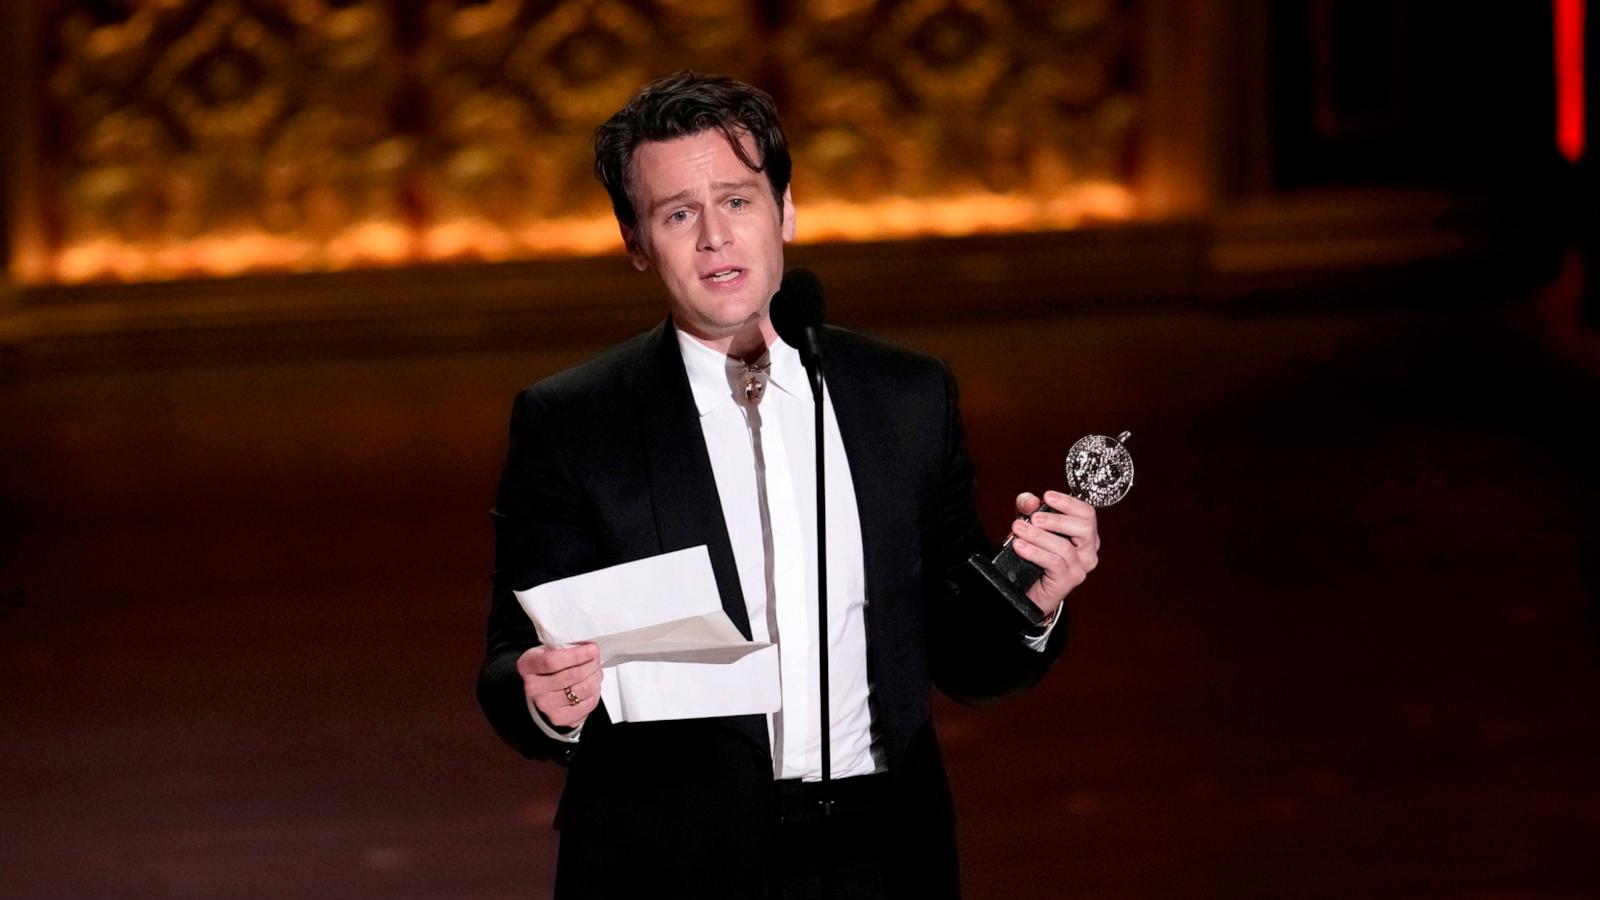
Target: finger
[[1070, 525], [555, 704], [1069, 504], [534, 685], [557, 659], [1062, 570], [588, 687], [569, 716], [1045, 539], [1082, 536], [1027, 503], [557, 710], [546, 660], [558, 706]]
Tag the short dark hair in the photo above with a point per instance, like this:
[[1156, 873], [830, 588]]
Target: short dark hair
[[685, 104]]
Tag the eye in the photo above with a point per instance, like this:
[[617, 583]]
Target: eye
[[738, 203], [678, 216]]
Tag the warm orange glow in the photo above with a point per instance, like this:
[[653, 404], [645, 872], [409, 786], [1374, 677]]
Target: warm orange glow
[[374, 242], [1570, 112], [903, 217], [470, 238], [385, 243], [225, 255]]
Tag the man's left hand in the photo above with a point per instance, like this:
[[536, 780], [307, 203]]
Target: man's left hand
[[1065, 544]]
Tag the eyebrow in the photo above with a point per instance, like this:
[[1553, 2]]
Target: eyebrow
[[717, 186]]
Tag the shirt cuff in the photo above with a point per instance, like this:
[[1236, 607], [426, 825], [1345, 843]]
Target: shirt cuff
[[570, 737], [1035, 642]]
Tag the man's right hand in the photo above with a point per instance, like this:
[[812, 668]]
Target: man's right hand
[[549, 673]]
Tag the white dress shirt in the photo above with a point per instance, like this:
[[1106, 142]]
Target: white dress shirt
[[763, 459]]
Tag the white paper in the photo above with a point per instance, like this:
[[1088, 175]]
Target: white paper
[[667, 649]]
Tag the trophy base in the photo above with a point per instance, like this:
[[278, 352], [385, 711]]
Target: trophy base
[[1033, 617]]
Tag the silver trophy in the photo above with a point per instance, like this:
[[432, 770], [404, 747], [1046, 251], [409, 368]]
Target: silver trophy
[[1099, 472]]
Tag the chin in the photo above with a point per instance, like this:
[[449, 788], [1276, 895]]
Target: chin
[[738, 315]]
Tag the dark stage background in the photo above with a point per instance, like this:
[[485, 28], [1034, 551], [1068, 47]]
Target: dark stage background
[[274, 270]]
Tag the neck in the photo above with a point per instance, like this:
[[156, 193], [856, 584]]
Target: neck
[[746, 345]]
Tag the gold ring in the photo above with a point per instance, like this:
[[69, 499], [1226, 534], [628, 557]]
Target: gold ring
[[572, 699]]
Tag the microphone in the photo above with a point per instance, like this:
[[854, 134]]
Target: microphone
[[797, 314]]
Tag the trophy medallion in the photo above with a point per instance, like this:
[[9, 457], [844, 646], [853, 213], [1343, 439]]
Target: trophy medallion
[[1099, 469]]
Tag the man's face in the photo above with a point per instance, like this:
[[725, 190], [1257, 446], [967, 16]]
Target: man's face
[[712, 230]]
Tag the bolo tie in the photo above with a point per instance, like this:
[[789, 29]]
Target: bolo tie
[[754, 379]]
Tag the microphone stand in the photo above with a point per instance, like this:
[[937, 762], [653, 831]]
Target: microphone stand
[[813, 366], [797, 317]]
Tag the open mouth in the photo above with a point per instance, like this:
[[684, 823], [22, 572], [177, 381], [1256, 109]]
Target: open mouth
[[722, 276]]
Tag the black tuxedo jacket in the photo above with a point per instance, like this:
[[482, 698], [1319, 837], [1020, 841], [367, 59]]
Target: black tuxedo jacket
[[607, 464]]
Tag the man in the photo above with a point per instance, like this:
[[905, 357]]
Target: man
[[699, 432]]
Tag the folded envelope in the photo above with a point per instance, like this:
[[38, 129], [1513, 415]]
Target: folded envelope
[[667, 649]]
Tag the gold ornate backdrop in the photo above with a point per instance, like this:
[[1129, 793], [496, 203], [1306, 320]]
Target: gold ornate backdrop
[[170, 138]]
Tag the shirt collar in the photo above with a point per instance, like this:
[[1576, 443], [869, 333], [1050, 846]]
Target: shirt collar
[[788, 375], [713, 375]]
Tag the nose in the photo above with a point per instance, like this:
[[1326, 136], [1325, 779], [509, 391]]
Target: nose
[[713, 230]]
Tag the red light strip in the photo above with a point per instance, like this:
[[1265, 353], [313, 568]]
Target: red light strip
[[1569, 79]]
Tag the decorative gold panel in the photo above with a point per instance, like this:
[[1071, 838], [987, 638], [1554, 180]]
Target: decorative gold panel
[[195, 137], [950, 116], [514, 91], [225, 136]]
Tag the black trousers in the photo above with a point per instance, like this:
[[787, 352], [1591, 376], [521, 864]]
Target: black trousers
[[832, 854]]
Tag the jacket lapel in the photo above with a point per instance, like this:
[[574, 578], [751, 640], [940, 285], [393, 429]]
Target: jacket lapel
[[683, 489], [872, 446], [890, 555]]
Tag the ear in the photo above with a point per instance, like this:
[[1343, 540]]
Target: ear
[[636, 254], [788, 216]]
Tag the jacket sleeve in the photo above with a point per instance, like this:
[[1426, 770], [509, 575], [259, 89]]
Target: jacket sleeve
[[976, 647], [543, 531]]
